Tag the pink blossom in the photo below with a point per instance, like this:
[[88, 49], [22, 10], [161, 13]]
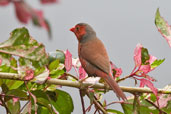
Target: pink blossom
[[68, 61], [29, 75], [137, 55], [82, 73]]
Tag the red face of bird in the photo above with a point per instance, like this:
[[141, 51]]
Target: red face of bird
[[79, 31], [82, 31]]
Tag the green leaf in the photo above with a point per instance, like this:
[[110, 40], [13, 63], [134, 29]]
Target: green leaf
[[156, 63], [39, 70], [61, 101], [43, 110], [13, 108], [42, 98], [58, 54], [144, 108], [161, 24], [144, 56], [17, 93], [56, 73], [114, 111], [14, 84], [8, 63], [53, 65], [20, 41], [4, 87]]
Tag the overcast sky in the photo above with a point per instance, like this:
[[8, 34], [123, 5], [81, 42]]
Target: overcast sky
[[120, 24]]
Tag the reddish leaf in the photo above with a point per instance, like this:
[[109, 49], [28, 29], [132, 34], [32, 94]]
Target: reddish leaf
[[29, 75], [23, 12], [48, 1], [116, 71], [150, 78], [68, 61], [82, 73], [38, 15], [144, 82], [145, 69], [4, 2], [137, 55], [39, 20]]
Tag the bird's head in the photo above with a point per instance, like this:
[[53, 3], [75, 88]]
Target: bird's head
[[83, 31]]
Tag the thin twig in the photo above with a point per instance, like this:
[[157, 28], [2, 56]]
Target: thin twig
[[135, 108], [97, 104], [122, 79], [82, 101], [161, 111], [24, 106]]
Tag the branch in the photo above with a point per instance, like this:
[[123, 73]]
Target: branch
[[84, 85]]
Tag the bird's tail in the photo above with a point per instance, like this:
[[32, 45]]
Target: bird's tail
[[113, 84]]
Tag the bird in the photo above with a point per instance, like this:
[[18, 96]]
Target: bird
[[93, 56]]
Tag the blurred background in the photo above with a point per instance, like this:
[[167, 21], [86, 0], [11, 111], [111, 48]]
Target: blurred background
[[119, 24]]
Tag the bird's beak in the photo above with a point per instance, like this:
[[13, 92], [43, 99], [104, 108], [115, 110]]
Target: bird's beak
[[72, 29]]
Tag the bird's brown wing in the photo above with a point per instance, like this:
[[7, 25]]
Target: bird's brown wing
[[95, 54]]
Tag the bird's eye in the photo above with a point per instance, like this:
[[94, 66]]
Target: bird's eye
[[77, 28]]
